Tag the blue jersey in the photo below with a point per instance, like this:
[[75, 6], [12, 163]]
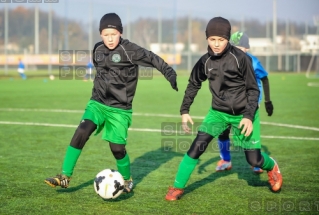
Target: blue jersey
[[21, 65], [260, 73], [89, 65]]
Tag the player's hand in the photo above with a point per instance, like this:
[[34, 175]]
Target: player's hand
[[247, 126], [185, 119], [172, 81], [269, 108]]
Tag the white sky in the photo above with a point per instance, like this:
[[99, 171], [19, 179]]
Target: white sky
[[294, 10]]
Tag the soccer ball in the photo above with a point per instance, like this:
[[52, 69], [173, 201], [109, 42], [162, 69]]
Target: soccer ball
[[109, 184], [51, 77]]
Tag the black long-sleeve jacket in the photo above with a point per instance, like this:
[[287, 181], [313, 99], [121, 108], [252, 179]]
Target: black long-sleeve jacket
[[117, 72], [232, 82]]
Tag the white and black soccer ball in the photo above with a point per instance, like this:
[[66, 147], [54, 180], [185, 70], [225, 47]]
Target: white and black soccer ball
[[109, 184]]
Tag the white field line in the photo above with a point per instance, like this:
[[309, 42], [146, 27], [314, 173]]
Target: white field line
[[138, 129], [313, 84], [149, 114], [40, 110]]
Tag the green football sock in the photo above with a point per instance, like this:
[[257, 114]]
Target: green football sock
[[70, 159], [185, 169], [124, 167], [268, 162]]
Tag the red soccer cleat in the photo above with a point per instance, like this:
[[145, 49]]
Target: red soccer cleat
[[174, 194], [275, 178], [223, 165]]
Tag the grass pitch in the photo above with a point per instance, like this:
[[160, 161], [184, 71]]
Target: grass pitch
[[38, 118]]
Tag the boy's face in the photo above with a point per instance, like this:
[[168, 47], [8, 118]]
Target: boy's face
[[111, 37], [217, 44]]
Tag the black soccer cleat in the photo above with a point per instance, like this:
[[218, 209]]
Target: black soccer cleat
[[58, 180], [128, 185]]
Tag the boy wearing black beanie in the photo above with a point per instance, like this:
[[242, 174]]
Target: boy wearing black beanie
[[110, 108], [235, 95]]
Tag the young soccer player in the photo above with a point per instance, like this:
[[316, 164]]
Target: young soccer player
[[241, 41], [89, 72], [116, 62], [234, 102], [21, 68]]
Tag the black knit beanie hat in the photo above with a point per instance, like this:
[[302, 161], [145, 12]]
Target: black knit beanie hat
[[111, 20], [218, 26]]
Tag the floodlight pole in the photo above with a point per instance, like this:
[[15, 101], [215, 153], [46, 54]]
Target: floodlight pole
[[50, 39], [36, 29], [159, 27], [90, 27], [90, 43], [6, 29], [242, 24], [189, 62], [175, 35], [274, 25], [316, 21], [128, 18], [66, 30], [267, 36], [287, 46]]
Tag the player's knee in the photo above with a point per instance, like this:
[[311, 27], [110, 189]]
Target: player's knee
[[254, 157], [204, 137], [82, 134], [224, 135], [255, 161], [199, 145], [118, 150]]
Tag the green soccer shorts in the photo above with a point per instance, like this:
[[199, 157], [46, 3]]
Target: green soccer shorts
[[215, 122], [115, 121]]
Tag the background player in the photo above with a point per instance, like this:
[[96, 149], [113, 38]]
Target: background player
[[241, 41]]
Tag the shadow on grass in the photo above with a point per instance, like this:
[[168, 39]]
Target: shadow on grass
[[240, 166], [140, 168], [123, 196], [76, 188], [151, 161]]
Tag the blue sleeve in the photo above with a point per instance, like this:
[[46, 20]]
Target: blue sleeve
[[258, 68], [90, 65]]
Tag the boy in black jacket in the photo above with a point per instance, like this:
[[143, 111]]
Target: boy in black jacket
[[235, 102], [116, 61]]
